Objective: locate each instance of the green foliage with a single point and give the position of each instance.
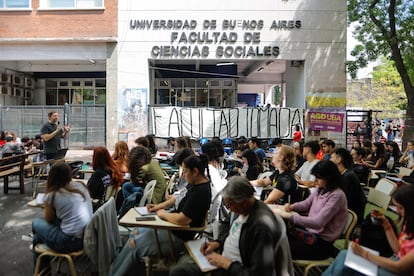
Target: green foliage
(385, 91)
(377, 41)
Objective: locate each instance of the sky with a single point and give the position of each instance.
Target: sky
(351, 42)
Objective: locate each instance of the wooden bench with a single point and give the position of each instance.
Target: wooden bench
(14, 165)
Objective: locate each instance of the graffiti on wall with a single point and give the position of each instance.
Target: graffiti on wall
(263, 122)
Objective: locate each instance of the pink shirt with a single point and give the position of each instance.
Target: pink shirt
(406, 245)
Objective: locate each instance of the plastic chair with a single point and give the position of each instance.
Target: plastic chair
(304, 267)
(405, 171)
(378, 198)
(386, 186)
(148, 191)
(264, 175)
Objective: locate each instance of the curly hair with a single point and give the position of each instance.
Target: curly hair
(288, 154)
(120, 155)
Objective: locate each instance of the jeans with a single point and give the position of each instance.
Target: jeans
(145, 245)
(338, 268)
(129, 188)
(53, 237)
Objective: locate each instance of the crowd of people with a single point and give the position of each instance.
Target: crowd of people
(257, 235)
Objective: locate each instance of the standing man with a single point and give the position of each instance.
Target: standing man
(52, 132)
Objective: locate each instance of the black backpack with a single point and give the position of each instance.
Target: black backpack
(373, 236)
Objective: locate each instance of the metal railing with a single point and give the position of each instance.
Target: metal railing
(88, 127)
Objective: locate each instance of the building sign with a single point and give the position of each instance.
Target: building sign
(231, 38)
(326, 121)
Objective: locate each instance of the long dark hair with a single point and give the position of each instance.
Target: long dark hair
(138, 157)
(59, 176)
(199, 162)
(252, 159)
(151, 143)
(327, 170)
(404, 196)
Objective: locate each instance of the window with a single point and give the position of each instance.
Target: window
(77, 4)
(196, 92)
(14, 4)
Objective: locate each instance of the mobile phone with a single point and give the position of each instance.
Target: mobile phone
(145, 218)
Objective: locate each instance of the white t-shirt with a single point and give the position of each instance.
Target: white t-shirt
(231, 248)
(304, 172)
(72, 209)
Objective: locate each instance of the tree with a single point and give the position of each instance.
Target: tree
(386, 28)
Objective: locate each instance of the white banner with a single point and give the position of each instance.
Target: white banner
(262, 122)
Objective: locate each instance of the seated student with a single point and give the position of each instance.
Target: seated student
(354, 194)
(408, 155)
(298, 150)
(402, 263)
(106, 173)
(377, 160)
(283, 180)
(68, 210)
(254, 144)
(191, 211)
(120, 156)
(328, 147)
(320, 218)
(252, 167)
(256, 243)
(362, 171)
(143, 169)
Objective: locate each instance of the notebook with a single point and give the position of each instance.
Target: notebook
(360, 264)
(143, 211)
(193, 248)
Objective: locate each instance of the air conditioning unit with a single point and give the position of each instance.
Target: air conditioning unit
(28, 94)
(29, 83)
(18, 80)
(5, 78)
(18, 92)
(5, 90)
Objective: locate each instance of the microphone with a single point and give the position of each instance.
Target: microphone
(58, 122)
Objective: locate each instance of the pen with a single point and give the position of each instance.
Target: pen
(356, 241)
(205, 244)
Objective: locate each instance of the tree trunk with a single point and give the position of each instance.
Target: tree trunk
(409, 118)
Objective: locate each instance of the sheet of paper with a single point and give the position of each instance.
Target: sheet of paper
(193, 248)
(361, 264)
(143, 211)
(40, 199)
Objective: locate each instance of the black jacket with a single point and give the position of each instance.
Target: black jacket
(263, 244)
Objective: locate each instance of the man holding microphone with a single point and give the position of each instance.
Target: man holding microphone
(52, 132)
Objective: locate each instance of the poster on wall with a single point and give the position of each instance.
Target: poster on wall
(132, 116)
(326, 121)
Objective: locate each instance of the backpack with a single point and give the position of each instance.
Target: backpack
(373, 236)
